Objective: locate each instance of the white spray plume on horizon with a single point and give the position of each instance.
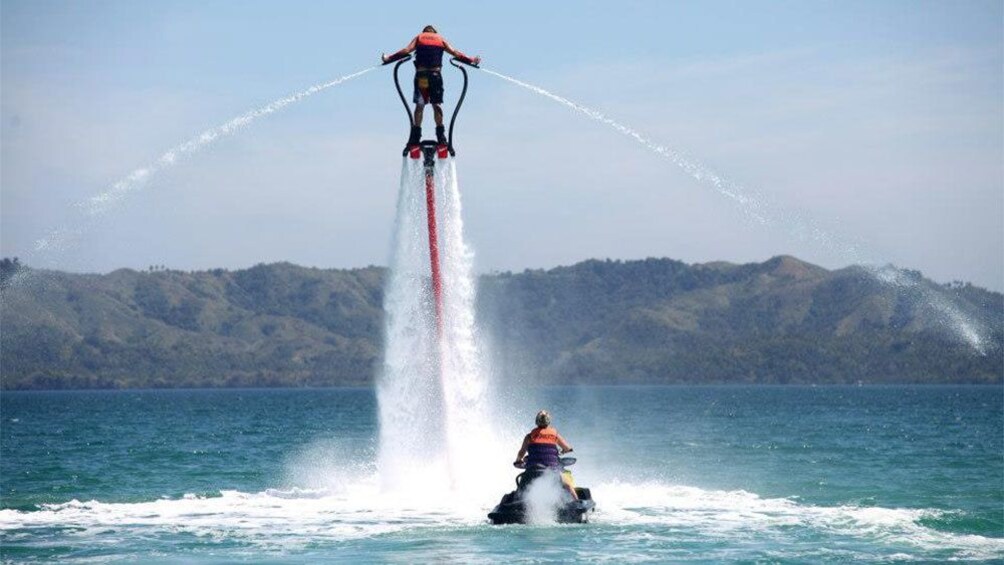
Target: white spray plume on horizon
(757, 208)
(102, 202)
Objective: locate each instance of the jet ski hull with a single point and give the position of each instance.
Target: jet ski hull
(512, 509)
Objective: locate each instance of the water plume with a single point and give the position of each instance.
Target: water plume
(758, 209)
(97, 205)
(542, 497)
(432, 392)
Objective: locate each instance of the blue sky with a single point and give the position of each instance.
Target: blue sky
(881, 122)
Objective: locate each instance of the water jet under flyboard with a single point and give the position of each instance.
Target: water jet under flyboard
(432, 386)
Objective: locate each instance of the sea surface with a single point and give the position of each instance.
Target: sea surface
(679, 474)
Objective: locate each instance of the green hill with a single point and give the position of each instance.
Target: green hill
(650, 321)
(781, 321)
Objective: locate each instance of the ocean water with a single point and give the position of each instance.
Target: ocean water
(703, 474)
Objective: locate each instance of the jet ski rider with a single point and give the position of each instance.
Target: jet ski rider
(428, 47)
(540, 447)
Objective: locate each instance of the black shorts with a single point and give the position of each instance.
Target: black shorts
(428, 87)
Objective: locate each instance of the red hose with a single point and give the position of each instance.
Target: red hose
(437, 282)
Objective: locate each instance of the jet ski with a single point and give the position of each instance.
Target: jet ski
(512, 509)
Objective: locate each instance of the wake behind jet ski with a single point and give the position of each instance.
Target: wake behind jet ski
(517, 508)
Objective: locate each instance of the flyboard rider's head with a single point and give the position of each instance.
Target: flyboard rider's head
(543, 419)
(429, 29)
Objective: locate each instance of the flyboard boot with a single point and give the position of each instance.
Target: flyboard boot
(414, 141)
(443, 147)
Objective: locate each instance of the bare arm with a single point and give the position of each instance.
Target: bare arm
(402, 53)
(456, 53)
(522, 449)
(565, 447)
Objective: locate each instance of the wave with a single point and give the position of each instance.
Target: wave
(740, 514)
(628, 516)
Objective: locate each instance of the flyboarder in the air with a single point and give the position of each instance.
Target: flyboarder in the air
(428, 47)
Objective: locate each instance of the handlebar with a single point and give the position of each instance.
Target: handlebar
(468, 63)
(408, 57)
(393, 60)
(456, 62)
(565, 462)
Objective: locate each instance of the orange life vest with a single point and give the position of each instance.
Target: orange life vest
(543, 448)
(547, 435)
(429, 49)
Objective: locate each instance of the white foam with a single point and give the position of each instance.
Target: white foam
(728, 514)
(273, 517)
(542, 498)
(432, 393)
(292, 517)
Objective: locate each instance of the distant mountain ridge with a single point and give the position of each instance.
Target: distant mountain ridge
(648, 321)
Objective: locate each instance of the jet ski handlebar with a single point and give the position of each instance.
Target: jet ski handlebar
(565, 462)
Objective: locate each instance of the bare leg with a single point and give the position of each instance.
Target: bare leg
(437, 112)
(568, 486)
(572, 492)
(419, 111)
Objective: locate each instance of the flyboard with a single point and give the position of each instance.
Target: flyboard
(430, 150)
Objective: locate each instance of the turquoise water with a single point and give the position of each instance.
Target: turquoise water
(706, 474)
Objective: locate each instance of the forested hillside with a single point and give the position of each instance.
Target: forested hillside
(651, 321)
